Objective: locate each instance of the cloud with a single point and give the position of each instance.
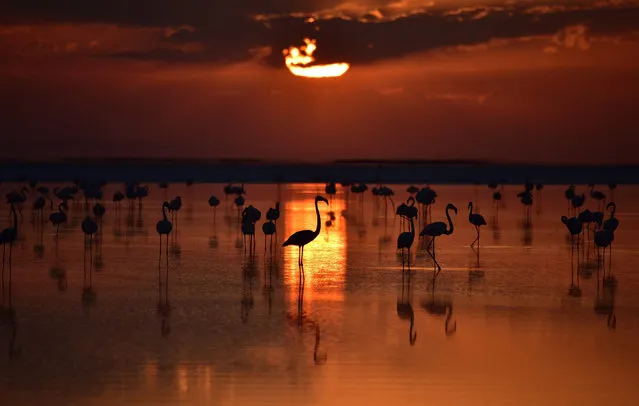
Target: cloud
(357, 31)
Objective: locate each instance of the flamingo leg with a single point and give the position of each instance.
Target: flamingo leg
(476, 238)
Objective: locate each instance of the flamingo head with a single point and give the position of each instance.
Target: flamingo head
(470, 205)
(321, 199)
(452, 207)
(613, 205)
(410, 201)
(564, 219)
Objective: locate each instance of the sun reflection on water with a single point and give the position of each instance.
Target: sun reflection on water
(325, 257)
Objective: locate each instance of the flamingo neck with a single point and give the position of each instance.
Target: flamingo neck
(451, 227)
(470, 207)
(319, 220)
(412, 227)
(164, 212)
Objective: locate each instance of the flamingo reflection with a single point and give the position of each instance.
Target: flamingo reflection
(405, 308)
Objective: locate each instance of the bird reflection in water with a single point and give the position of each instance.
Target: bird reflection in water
(605, 304)
(304, 323)
(270, 268)
(37, 218)
(57, 271)
(438, 306)
(475, 272)
(405, 308)
(249, 271)
(496, 229)
(527, 237)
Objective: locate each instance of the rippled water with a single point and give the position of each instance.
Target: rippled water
(232, 332)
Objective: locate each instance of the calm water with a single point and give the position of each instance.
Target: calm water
(234, 333)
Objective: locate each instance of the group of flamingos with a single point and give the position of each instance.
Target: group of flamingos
(581, 224)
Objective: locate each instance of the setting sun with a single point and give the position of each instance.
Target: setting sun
(298, 60)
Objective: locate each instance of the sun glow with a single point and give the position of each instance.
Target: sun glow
(325, 257)
(298, 61)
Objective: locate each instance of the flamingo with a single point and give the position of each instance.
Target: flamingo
(611, 223)
(248, 229)
(407, 210)
(273, 213)
(405, 241)
(526, 199)
(8, 236)
(597, 195)
(575, 228)
(18, 198)
(164, 227)
(269, 229)
(303, 237)
(603, 239)
(330, 189)
(477, 220)
(239, 203)
(59, 217)
(39, 204)
(214, 202)
(436, 229)
(98, 212)
(117, 199)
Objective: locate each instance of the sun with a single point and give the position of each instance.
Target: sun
(299, 60)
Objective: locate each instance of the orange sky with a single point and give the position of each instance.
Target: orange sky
(533, 81)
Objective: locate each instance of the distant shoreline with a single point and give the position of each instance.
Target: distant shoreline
(258, 171)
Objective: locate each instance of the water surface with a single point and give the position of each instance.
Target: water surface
(234, 333)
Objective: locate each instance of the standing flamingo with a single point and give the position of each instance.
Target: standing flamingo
(597, 195)
(611, 223)
(603, 239)
(303, 237)
(269, 229)
(477, 220)
(273, 213)
(574, 226)
(405, 241)
(214, 202)
(164, 227)
(59, 217)
(436, 229)
(8, 236)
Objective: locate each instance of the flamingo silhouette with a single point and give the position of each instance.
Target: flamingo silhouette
(214, 202)
(575, 228)
(407, 210)
(436, 229)
(59, 217)
(611, 223)
(273, 213)
(405, 241)
(597, 195)
(164, 227)
(603, 239)
(8, 236)
(303, 237)
(477, 220)
(268, 229)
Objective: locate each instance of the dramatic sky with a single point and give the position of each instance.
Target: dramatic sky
(535, 81)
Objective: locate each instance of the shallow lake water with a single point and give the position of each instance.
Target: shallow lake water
(496, 328)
